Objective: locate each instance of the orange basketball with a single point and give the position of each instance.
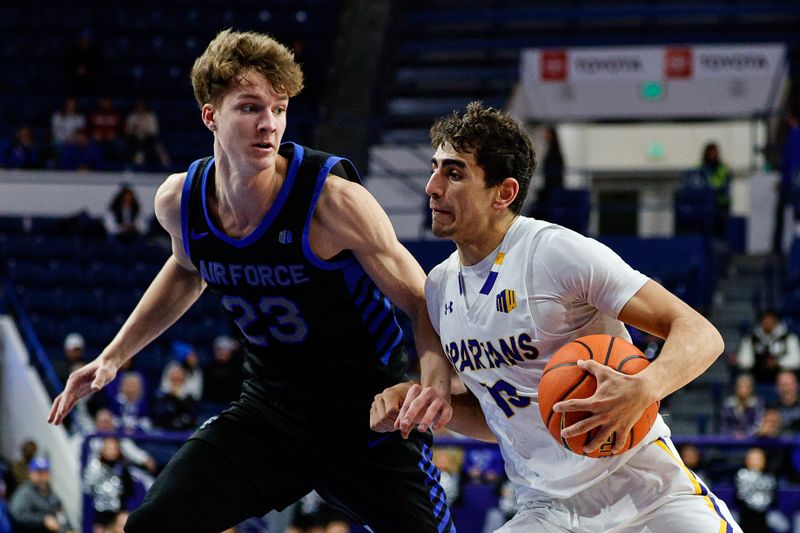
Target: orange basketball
(564, 380)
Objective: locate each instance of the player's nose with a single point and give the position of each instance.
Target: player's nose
(434, 185)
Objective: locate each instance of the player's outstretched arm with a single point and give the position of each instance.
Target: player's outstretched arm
(692, 345)
(176, 287)
(467, 416)
(351, 216)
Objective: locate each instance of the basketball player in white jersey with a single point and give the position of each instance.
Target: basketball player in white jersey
(515, 291)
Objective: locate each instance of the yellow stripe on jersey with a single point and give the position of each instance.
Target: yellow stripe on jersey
(499, 259)
(723, 526)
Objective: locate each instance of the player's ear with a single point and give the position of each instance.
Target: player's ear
(507, 191)
(207, 114)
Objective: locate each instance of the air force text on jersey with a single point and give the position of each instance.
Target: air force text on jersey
(238, 275)
(474, 354)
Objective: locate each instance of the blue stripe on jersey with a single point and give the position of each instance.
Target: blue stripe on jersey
(490, 279)
(386, 334)
(186, 196)
(307, 251)
(441, 512)
(274, 209)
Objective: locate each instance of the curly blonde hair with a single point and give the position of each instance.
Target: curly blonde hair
(232, 55)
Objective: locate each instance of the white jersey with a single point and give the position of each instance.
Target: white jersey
(500, 321)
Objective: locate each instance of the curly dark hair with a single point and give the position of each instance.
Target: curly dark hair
(232, 55)
(501, 146)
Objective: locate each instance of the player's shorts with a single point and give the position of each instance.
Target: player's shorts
(654, 492)
(237, 466)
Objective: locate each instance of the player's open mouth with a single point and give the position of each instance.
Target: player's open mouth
(263, 146)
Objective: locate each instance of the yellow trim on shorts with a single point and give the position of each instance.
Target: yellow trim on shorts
(723, 526)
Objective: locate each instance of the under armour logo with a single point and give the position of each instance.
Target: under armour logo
(448, 307)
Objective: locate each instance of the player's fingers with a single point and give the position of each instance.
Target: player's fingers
(582, 404)
(444, 417)
(431, 415)
(581, 427)
(405, 422)
(600, 437)
(51, 416)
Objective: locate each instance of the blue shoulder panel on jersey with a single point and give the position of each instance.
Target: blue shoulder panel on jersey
(307, 251)
(283, 194)
(186, 194)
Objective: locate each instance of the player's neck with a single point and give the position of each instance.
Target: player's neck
(241, 200)
(476, 247)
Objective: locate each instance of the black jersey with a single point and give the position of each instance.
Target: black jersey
(317, 332)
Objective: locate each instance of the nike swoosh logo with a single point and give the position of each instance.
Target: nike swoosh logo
(198, 235)
(374, 442)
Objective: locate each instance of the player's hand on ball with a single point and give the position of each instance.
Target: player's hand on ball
(424, 408)
(386, 407)
(84, 381)
(616, 405)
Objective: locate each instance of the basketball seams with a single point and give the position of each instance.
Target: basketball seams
(566, 394)
(588, 349)
(629, 358)
(608, 352)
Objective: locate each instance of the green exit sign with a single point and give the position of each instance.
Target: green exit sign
(652, 91)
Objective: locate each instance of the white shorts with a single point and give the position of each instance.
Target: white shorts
(654, 492)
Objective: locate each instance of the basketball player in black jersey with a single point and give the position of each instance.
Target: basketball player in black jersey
(306, 264)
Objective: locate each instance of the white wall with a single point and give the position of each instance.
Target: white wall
(24, 406)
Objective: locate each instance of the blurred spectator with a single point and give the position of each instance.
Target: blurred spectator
(19, 468)
(5, 515)
(779, 461)
(130, 403)
(755, 491)
(175, 408)
(449, 461)
(108, 482)
(82, 153)
(788, 401)
(65, 122)
(742, 412)
(185, 357)
(105, 128)
(506, 506)
(719, 179)
(105, 423)
(312, 514)
(34, 506)
(141, 131)
(123, 219)
(74, 354)
(770, 347)
(692, 458)
(83, 64)
(222, 378)
(20, 151)
(552, 171)
(789, 186)
(118, 526)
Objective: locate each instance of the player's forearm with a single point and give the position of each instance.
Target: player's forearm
(170, 294)
(435, 370)
(693, 344)
(468, 418)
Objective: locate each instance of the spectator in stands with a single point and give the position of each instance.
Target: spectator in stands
(19, 468)
(789, 186)
(787, 402)
(312, 514)
(130, 404)
(142, 134)
(123, 219)
(105, 423)
(34, 506)
(449, 461)
(755, 491)
(693, 459)
(105, 128)
(5, 515)
(742, 412)
(83, 64)
(719, 179)
(770, 347)
(20, 151)
(185, 357)
(552, 171)
(65, 122)
(506, 506)
(175, 408)
(222, 377)
(108, 482)
(74, 354)
(82, 153)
